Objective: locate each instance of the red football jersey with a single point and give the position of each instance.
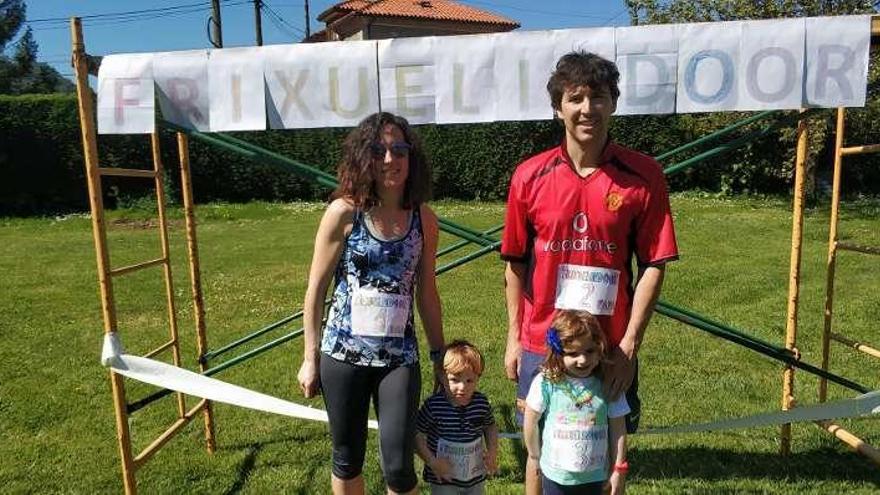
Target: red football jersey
(583, 232)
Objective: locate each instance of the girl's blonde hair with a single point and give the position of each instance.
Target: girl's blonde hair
(461, 355)
(570, 325)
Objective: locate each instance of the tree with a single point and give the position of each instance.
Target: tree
(22, 72)
(12, 16)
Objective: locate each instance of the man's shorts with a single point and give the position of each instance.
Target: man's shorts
(529, 366)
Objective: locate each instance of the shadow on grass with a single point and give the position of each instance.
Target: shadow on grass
(252, 451)
(717, 464)
(245, 468)
(519, 451)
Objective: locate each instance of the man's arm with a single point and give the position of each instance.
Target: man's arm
(621, 369)
(514, 281)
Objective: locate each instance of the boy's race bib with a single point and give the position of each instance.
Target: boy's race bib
(587, 288)
(577, 450)
(378, 314)
(466, 458)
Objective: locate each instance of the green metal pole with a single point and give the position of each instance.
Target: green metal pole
(461, 244)
(715, 135)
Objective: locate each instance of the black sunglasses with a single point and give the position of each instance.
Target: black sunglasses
(398, 149)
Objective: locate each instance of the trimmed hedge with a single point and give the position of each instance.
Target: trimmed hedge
(42, 163)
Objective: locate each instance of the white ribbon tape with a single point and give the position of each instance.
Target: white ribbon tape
(862, 405)
(181, 380)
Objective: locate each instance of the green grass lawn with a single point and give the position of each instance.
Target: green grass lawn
(56, 417)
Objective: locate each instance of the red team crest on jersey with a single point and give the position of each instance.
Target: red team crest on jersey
(613, 201)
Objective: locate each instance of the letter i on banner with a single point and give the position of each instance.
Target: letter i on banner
(237, 92)
(406, 78)
(126, 97)
(523, 62)
(708, 62)
(465, 81)
(182, 81)
(837, 68)
(647, 58)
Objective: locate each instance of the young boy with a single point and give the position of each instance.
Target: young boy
(456, 433)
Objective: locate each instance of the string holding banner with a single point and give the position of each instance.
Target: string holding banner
(705, 67)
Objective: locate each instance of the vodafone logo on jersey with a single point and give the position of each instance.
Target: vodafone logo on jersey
(580, 224)
(581, 241)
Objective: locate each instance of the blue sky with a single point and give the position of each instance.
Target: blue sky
(186, 27)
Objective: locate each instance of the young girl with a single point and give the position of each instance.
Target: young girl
(378, 239)
(584, 436)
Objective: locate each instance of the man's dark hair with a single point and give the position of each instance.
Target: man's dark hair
(580, 68)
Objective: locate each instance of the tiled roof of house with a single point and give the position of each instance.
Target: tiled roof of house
(441, 10)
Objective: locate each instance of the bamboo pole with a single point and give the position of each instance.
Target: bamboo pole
(791, 323)
(831, 264)
(192, 247)
(158, 168)
(168, 434)
(108, 308)
(853, 441)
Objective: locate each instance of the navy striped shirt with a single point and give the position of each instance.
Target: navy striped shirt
(438, 418)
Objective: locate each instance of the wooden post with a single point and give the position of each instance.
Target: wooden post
(195, 276)
(96, 202)
(791, 323)
(831, 265)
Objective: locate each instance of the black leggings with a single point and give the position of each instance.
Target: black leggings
(347, 390)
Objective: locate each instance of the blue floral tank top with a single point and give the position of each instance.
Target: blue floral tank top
(370, 322)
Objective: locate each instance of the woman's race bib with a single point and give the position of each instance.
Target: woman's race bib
(466, 458)
(578, 449)
(378, 314)
(587, 288)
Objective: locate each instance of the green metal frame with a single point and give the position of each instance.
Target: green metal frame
(488, 243)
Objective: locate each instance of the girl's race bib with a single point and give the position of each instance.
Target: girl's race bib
(578, 449)
(466, 458)
(587, 288)
(378, 314)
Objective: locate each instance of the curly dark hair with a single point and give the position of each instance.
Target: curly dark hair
(358, 170)
(580, 68)
(572, 325)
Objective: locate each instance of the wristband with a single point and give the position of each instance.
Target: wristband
(621, 467)
(436, 356)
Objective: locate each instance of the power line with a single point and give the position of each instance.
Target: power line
(280, 22)
(112, 15)
(112, 21)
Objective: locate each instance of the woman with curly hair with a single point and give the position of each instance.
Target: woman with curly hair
(378, 239)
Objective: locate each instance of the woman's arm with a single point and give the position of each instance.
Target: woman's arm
(329, 241)
(427, 298)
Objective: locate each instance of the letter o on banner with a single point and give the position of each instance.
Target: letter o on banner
(752, 74)
(690, 76)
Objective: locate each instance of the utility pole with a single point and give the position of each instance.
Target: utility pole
(308, 26)
(216, 30)
(258, 20)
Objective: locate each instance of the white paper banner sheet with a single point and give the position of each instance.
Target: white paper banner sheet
(706, 67)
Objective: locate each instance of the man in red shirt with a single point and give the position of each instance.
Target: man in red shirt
(576, 216)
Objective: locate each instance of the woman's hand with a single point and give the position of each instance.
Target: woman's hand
(309, 378)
